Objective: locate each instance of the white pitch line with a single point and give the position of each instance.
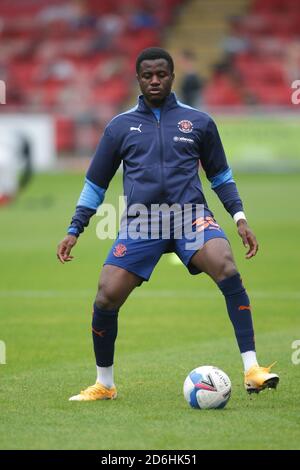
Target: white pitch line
(157, 293)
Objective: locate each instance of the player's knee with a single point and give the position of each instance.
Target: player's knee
(107, 299)
(227, 268)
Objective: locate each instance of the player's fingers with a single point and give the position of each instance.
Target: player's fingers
(60, 252)
(253, 247)
(60, 258)
(67, 250)
(249, 245)
(69, 258)
(245, 239)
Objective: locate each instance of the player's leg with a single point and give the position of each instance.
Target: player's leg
(115, 285)
(128, 264)
(216, 259)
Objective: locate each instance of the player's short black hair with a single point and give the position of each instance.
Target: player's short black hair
(153, 53)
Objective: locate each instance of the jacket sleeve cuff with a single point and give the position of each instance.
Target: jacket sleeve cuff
(73, 231)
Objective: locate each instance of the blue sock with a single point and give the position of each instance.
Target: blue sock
(239, 311)
(105, 330)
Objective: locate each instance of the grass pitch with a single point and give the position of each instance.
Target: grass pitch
(167, 327)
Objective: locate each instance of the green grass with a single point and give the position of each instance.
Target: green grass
(167, 327)
(264, 141)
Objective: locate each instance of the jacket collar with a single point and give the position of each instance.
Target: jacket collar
(170, 102)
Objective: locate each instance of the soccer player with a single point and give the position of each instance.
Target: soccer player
(160, 142)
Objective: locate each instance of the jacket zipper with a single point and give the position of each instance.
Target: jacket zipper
(161, 155)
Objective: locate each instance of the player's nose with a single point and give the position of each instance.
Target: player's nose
(155, 80)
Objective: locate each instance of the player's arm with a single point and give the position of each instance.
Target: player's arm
(102, 168)
(214, 162)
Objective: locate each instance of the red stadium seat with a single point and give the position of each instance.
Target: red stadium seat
(222, 92)
(112, 92)
(271, 30)
(65, 141)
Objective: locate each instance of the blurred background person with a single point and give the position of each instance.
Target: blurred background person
(191, 84)
(15, 165)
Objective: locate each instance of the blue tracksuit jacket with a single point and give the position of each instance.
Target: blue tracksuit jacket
(160, 160)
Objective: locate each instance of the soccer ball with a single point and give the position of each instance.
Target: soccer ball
(207, 387)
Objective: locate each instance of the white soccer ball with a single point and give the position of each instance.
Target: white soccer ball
(207, 387)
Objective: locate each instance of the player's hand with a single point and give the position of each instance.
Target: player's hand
(248, 238)
(64, 248)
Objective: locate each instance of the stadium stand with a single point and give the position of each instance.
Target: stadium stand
(75, 59)
(261, 56)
